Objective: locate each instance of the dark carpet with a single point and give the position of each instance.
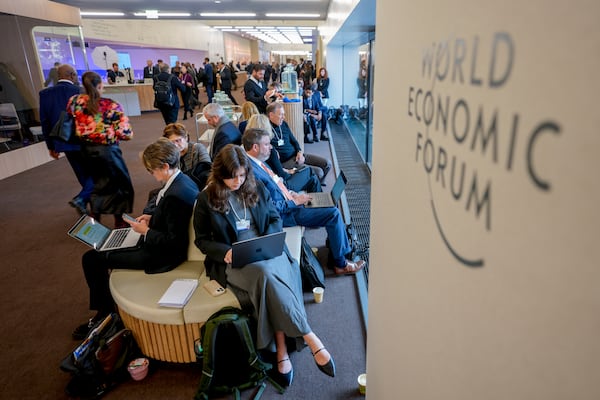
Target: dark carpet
(43, 293)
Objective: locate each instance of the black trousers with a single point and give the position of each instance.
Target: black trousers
(169, 113)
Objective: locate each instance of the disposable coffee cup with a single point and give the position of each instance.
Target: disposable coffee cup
(362, 383)
(318, 293)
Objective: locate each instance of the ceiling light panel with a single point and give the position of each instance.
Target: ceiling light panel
(291, 15)
(101, 14)
(229, 14)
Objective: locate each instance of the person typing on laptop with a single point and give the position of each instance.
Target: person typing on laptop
(290, 205)
(235, 207)
(164, 242)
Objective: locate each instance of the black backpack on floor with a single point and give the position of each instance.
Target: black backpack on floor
(100, 362)
(229, 359)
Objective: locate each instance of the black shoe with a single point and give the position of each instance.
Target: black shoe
(307, 140)
(327, 369)
(79, 205)
(83, 330)
(325, 137)
(184, 116)
(286, 379)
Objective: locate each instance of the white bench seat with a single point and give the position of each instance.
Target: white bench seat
(168, 334)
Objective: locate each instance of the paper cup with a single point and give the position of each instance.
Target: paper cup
(138, 368)
(362, 383)
(318, 293)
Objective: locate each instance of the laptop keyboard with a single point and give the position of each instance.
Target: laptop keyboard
(320, 199)
(117, 238)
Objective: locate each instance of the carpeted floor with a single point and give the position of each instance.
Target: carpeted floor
(43, 294)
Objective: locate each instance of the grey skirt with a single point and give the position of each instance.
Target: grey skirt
(274, 288)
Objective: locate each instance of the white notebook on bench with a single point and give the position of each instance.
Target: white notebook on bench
(178, 294)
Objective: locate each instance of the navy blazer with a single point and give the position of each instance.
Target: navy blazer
(316, 105)
(208, 70)
(167, 240)
(256, 94)
(216, 232)
(53, 100)
(224, 134)
(282, 205)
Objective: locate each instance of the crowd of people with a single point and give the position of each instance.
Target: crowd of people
(256, 170)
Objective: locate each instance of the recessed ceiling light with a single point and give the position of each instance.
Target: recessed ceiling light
(101, 14)
(228, 14)
(154, 14)
(290, 15)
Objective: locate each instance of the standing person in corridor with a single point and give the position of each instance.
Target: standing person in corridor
(100, 124)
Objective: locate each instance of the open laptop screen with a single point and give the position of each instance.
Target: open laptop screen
(89, 231)
(338, 188)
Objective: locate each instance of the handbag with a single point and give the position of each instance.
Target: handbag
(311, 270)
(64, 127)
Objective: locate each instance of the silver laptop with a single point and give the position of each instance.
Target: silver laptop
(329, 199)
(101, 238)
(257, 249)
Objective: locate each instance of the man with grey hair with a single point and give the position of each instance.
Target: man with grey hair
(225, 131)
(168, 111)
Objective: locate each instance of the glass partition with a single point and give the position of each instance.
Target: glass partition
(30, 49)
(59, 45)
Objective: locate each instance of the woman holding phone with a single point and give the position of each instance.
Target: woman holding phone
(165, 233)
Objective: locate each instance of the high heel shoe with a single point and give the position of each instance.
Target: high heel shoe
(286, 379)
(327, 369)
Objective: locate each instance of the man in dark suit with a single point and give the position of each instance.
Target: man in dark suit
(256, 91)
(290, 205)
(150, 71)
(208, 83)
(53, 101)
(169, 112)
(313, 114)
(224, 76)
(114, 74)
(225, 131)
(288, 147)
(164, 237)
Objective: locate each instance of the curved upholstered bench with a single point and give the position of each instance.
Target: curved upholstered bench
(168, 334)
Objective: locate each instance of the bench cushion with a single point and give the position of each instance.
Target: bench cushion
(138, 293)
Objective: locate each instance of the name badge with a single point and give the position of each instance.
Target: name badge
(242, 225)
(280, 142)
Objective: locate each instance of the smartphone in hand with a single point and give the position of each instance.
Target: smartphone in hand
(129, 218)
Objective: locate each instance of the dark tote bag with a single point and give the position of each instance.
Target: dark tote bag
(311, 270)
(64, 127)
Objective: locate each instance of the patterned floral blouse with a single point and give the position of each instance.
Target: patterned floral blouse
(109, 126)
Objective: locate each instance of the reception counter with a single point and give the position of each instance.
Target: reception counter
(134, 98)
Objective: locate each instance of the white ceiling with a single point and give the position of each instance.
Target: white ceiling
(260, 22)
(195, 7)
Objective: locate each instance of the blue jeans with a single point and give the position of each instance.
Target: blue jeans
(331, 219)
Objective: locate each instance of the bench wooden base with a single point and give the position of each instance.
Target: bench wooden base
(172, 343)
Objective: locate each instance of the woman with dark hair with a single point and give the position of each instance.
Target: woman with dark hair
(186, 79)
(194, 161)
(323, 84)
(234, 207)
(101, 124)
(164, 235)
